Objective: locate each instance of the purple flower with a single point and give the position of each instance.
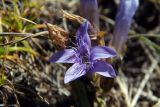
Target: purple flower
(86, 59)
(126, 10)
(89, 10)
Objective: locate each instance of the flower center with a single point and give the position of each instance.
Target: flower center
(84, 59)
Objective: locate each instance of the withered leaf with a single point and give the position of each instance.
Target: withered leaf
(73, 17)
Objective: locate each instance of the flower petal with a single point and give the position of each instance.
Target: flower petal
(83, 50)
(75, 71)
(65, 56)
(98, 52)
(82, 35)
(126, 10)
(103, 68)
(89, 10)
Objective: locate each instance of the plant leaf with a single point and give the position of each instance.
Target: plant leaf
(150, 43)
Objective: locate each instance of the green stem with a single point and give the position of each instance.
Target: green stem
(80, 94)
(132, 36)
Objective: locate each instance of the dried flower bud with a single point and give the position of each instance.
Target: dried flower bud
(57, 35)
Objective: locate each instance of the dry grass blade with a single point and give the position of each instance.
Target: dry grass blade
(147, 95)
(153, 66)
(26, 20)
(14, 34)
(24, 38)
(9, 89)
(124, 89)
(143, 83)
(73, 17)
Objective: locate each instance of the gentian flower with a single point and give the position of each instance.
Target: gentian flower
(86, 59)
(126, 10)
(89, 10)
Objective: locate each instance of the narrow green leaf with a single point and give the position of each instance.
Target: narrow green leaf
(150, 43)
(21, 49)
